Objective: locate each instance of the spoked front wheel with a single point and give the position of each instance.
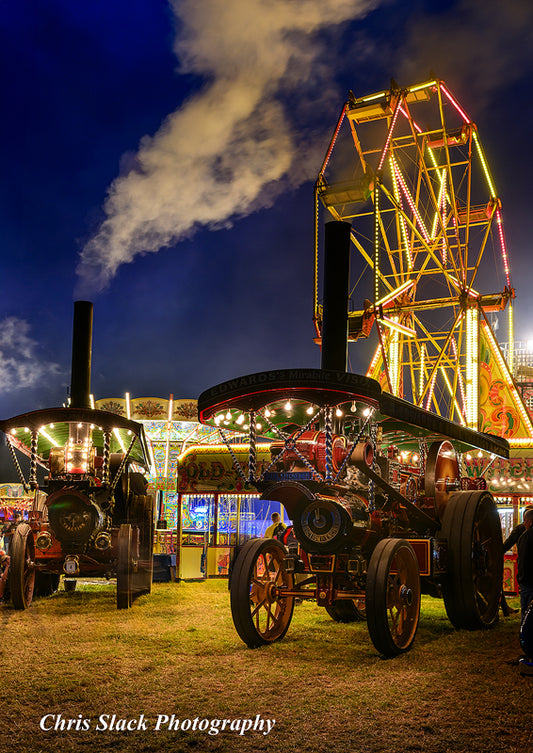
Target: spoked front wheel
(260, 613)
(393, 596)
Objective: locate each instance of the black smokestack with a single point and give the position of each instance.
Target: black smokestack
(82, 336)
(336, 295)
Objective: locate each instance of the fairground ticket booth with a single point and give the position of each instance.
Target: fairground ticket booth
(511, 483)
(216, 510)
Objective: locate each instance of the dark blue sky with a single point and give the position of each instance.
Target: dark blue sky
(248, 92)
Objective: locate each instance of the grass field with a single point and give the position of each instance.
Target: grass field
(176, 652)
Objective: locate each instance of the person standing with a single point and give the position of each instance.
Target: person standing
(276, 528)
(525, 563)
(515, 534)
(5, 561)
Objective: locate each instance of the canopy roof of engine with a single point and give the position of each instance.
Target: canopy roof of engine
(284, 397)
(52, 427)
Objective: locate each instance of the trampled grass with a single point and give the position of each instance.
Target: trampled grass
(176, 653)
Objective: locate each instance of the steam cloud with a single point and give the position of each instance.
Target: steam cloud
(20, 366)
(230, 148)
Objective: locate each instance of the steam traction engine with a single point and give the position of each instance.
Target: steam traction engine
(91, 516)
(373, 486)
(380, 511)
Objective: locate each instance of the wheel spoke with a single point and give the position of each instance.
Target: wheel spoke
(393, 583)
(264, 617)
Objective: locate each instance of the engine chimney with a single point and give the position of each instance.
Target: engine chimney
(336, 295)
(80, 374)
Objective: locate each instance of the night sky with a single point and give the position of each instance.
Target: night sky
(158, 159)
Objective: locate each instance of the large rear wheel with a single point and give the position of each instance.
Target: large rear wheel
(393, 596)
(260, 614)
(22, 568)
(473, 584)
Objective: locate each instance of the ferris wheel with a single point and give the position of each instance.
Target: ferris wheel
(430, 269)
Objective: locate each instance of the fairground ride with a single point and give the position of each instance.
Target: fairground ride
(430, 267)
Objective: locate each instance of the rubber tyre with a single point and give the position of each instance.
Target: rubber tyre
(473, 584)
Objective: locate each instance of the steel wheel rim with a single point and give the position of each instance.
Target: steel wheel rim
(269, 612)
(403, 598)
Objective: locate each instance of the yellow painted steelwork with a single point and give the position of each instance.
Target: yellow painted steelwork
(429, 252)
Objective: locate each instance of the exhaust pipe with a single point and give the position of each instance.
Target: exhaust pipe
(336, 295)
(80, 374)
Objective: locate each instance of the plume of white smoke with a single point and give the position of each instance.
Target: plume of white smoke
(229, 149)
(20, 364)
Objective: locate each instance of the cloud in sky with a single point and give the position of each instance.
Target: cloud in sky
(21, 364)
(229, 149)
(477, 44)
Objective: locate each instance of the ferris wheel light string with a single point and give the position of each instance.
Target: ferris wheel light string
(402, 221)
(472, 358)
(333, 140)
(394, 357)
(505, 257)
(422, 374)
(419, 87)
(396, 292)
(376, 242)
(483, 161)
(406, 115)
(411, 203)
(395, 325)
(374, 361)
(455, 403)
(389, 135)
(511, 338)
(461, 382)
(431, 389)
(372, 97)
(455, 103)
(443, 219)
(440, 216)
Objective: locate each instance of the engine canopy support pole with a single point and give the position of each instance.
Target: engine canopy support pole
(336, 295)
(80, 374)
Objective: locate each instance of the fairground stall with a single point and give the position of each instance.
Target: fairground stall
(205, 507)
